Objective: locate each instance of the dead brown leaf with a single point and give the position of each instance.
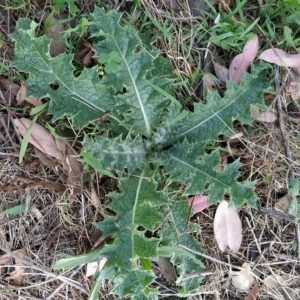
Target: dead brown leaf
(45, 160)
(40, 138)
(5, 259)
(253, 292)
(167, 269)
(209, 82)
(221, 72)
(283, 203)
(17, 276)
(54, 32)
(87, 60)
(21, 96)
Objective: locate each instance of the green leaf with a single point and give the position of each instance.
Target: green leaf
(16, 210)
(74, 261)
(117, 153)
(294, 188)
(141, 105)
(136, 208)
(177, 231)
(216, 116)
(188, 163)
(81, 98)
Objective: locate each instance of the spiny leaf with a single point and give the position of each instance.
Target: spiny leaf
(187, 164)
(117, 153)
(177, 231)
(82, 98)
(217, 115)
(141, 105)
(136, 209)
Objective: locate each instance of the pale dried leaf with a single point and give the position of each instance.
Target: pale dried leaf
(294, 89)
(265, 117)
(221, 72)
(198, 202)
(273, 281)
(93, 267)
(5, 259)
(167, 269)
(283, 203)
(227, 227)
(242, 61)
(253, 292)
(210, 84)
(40, 138)
(243, 279)
(21, 96)
(281, 58)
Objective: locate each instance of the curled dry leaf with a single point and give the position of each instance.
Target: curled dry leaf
(227, 227)
(265, 117)
(294, 90)
(198, 202)
(280, 58)
(21, 96)
(243, 61)
(243, 279)
(221, 72)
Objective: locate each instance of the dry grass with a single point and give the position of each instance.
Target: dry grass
(57, 222)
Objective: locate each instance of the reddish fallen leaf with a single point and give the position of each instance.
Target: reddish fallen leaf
(221, 72)
(294, 90)
(280, 58)
(227, 227)
(265, 117)
(243, 61)
(21, 96)
(198, 202)
(253, 292)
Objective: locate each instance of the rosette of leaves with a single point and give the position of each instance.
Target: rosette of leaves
(152, 145)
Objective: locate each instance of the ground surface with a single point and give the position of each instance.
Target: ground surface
(58, 221)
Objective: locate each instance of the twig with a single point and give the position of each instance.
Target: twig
(59, 287)
(285, 141)
(29, 263)
(277, 214)
(281, 121)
